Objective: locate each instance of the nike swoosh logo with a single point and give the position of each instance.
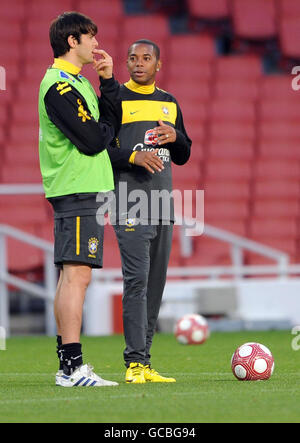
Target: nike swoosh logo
(134, 112)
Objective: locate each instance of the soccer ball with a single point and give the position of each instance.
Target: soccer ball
(191, 329)
(252, 361)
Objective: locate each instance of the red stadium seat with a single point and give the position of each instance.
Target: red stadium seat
(276, 208)
(29, 93)
(48, 10)
(3, 113)
(230, 148)
(178, 69)
(226, 191)
(6, 97)
(277, 87)
(153, 27)
(103, 11)
(195, 90)
(21, 153)
(13, 11)
(29, 132)
(241, 130)
(236, 226)
(228, 170)
(209, 257)
(209, 252)
(108, 32)
(289, 35)
(2, 134)
(11, 32)
(38, 50)
(193, 111)
(111, 253)
(238, 67)
(25, 112)
(191, 47)
(279, 232)
(285, 245)
(289, 7)
(6, 50)
(273, 227)
(186, 173)
(279, 129)
(277, 169)
(22, 256)
(21, 174)
(23, 209)
(234, 209)
(33, 74)
(197, 153)
(196, 130)
(206, 9)
(276, 149)
(254, 20)
(276, 188)
(39, 26)
(237, 89)
(46, 230)
(175, 256)
(279, 110)
(234, 110)
(12, 71)
(121, 71)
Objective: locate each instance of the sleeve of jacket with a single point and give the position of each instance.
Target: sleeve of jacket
(70, 114)
(180, 150)
(110, 106)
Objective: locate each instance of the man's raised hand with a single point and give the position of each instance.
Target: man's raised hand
(104, 64)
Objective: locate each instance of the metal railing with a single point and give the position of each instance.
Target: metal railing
(238, 245)
(46, 292)
(281, 269)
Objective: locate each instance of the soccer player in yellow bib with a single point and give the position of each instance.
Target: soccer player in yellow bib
(75, 167)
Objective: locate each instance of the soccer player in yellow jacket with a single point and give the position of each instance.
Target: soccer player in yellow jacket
(150, 121)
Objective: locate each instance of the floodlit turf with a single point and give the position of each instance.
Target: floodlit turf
(206, 390)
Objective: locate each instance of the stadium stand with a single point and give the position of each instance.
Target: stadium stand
(243, 122)
(206, 9)
(289, 33)
(254, 20)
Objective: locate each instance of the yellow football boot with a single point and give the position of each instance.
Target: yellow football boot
(135, 373)
(153, 376)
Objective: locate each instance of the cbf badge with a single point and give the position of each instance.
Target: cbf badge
(130, 222)
(93, 247)
(165, 110)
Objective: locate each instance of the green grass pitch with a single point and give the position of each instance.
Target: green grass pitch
(206, 390)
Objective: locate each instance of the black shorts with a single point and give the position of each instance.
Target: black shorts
(78, 240)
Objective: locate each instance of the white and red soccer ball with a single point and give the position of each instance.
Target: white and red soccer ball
(252, 361)
(191, 329)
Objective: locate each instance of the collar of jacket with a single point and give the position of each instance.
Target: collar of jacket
(66, 66)
(140, 89)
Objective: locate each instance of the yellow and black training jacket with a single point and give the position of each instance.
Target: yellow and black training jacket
(138, 110)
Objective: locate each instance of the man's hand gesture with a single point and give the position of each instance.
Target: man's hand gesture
(104, 64)
(149, 160)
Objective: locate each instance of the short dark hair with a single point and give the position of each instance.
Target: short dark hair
(69, 23)
(147, 42)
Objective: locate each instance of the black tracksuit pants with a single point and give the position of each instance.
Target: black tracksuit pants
(145, 252)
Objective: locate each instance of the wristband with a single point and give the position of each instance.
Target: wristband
(132, 157)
